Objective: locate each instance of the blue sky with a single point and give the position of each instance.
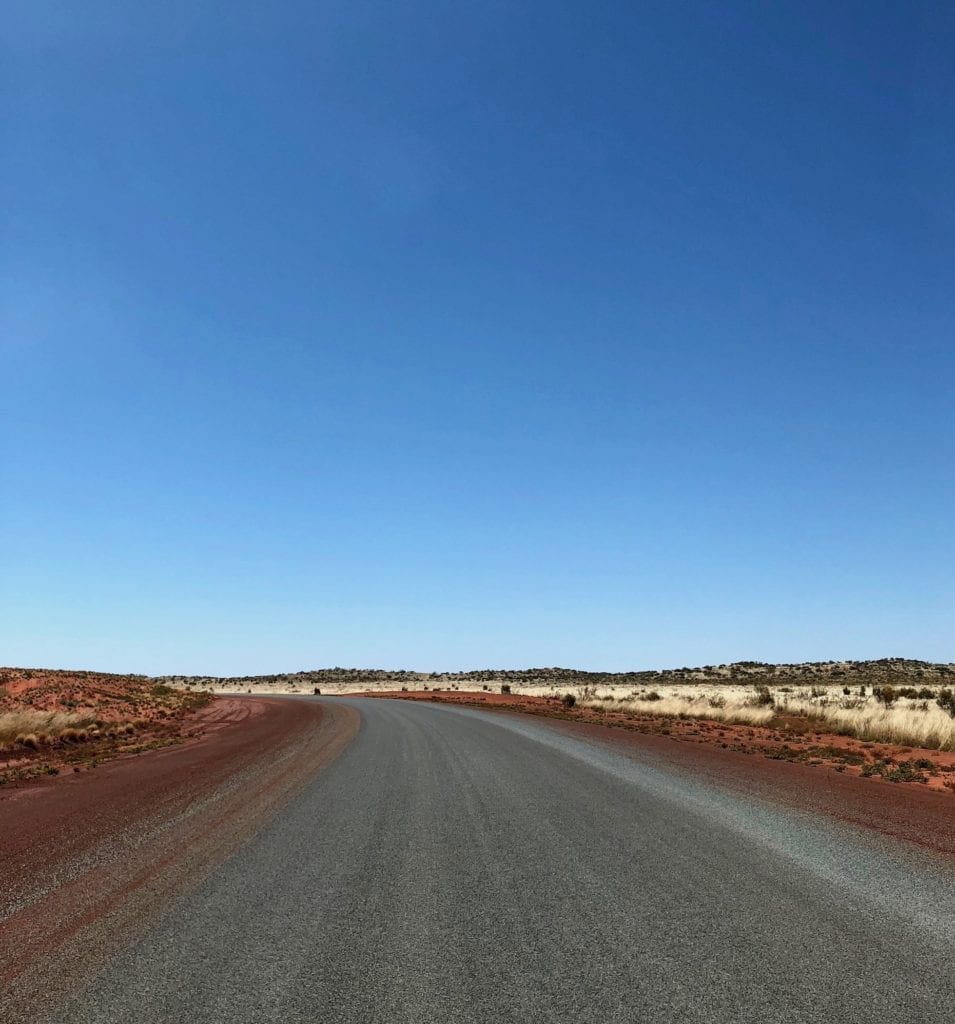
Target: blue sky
(457, 335)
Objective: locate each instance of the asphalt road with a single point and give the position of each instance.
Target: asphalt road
(456, 865)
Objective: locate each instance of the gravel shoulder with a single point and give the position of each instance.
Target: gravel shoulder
(915, 814)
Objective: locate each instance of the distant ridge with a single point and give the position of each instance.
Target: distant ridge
(885, 670)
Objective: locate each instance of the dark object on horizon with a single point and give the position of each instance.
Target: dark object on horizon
(317, 691)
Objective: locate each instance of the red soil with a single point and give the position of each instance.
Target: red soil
(88, 858)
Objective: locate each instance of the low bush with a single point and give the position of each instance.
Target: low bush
(946, 701)
(905, 771)
(762, 698)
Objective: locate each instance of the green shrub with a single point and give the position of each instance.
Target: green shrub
(875, 768)
(905, 771)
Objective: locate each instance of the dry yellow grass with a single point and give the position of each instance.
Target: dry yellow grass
(908, 722)
(735, 711)
(32, 728)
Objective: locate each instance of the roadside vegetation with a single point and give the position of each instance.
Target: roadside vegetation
(31, 728)
(908, 716)
(55, 719)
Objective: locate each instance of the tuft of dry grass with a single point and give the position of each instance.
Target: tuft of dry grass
(71, 735)
(31, 728)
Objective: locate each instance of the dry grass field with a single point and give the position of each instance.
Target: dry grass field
(925, 719)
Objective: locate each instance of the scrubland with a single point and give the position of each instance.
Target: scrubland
(50, 719)
(884, 715)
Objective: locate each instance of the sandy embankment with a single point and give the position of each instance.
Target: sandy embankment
(87, 859)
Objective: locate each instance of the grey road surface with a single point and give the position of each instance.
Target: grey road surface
(459, 866)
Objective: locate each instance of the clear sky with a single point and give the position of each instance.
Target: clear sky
(447, 335)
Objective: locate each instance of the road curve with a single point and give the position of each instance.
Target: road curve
(454, 865)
